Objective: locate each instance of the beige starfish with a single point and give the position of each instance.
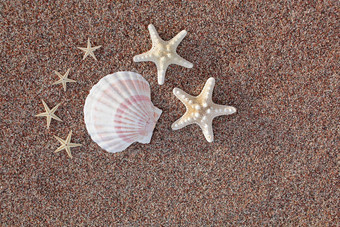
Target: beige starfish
(163, 53)
(66, 144)
(63, 79)
(49, 113)
(89, 50)
(201, 109)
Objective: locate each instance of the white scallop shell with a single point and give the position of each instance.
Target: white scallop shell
(118, 111)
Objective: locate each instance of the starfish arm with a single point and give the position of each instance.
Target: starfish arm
(82, 48)
(58, 82)
(55, 117)
(85, 55)
(64, 85)
(147, 56)
(178, 60)
(207, 130)
(68, 139)
(68, 150)
(206, 93)
(162, 66)
(48, 121)
(62, 147)
(182, 122)
(69, 80)
(55, 108)
(183, 96)
(60, 140)
(154, 34)
(95, 48)
(58, 74)
(175, 41)
(219, 110)
(42, 115)
(75, 145)
(66, 74)
(161, 76)
(92, 55)
(45, 106)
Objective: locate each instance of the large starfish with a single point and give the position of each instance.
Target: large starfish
(63, 79)
(163, 53)
(89, 50)
(201, 109)
(66, 144)
(49, 113)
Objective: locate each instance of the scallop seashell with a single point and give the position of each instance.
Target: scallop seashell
(118, 111)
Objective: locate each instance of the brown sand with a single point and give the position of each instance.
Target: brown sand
(272, 163)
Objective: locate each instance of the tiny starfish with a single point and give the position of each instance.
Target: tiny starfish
(201, 109)
(49, 113)
(89, 50)
(66, 144)
(63, 79)
(163, 53)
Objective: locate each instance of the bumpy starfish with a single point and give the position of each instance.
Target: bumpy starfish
(201, 109)
(63, 79)
(66, 144)
(49, 113)
(89, 50)
(163, 53)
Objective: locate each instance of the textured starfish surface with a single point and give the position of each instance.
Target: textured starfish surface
(89, 50)
(63, 79)
(201, 109)
(163, 53)
(66, 144)
(49, 113)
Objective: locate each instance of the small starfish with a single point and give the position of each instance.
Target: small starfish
(63, 79)
(89, 50)
(66, 144)
(163, 53)
(49, 113)
(201, 109)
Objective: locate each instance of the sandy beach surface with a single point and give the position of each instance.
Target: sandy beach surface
(273, 163)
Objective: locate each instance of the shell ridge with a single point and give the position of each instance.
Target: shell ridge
(124, 98)
(135, 111)
(140, 86)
